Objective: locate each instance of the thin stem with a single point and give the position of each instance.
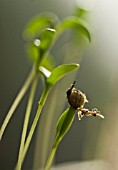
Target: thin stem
(51, 157)
(27, 115)
(34, 124)
(17, 101)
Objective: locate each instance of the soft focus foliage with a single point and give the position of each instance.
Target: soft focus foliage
(41, 34)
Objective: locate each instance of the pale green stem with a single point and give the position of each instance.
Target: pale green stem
(27, 115)
(34, 124)
(51, 157)
(17, 101)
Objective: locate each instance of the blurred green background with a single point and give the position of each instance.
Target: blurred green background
(90, 139)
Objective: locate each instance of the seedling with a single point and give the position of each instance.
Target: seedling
(40, 34)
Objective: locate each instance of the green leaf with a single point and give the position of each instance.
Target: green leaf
(76, 23)
(46, 38)
(61, 71)
(39, 46)
(33, 51)
(38, 23)
(64, 123)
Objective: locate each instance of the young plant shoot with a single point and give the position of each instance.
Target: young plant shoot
(40, 34)
(76, 100)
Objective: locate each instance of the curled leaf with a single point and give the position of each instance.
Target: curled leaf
(76, 23)
(46, 38)
(64, 123)
(38, 23)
